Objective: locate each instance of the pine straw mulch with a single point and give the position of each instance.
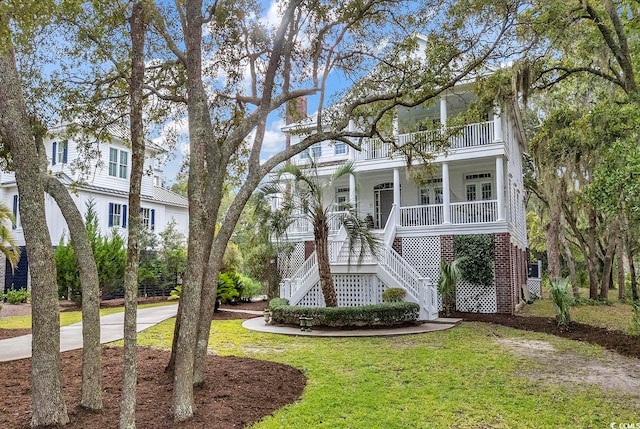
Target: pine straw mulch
(237, 391)
(616, 341)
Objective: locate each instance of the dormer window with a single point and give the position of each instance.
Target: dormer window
(118, 165)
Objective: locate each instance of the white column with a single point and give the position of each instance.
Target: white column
(396, 188)
(352, 190)
(443, 111)
(500, 186)
(497, 124)
(446, 194)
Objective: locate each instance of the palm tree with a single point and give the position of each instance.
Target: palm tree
(449, 276)
(8, 245)
(305, 196)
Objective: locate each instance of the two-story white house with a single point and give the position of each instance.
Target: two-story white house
(105, 182)
(476, 187)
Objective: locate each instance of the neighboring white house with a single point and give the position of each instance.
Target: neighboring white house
(107, 184)
(476, 188)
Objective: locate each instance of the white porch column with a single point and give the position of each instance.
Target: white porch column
(500, 186)
(396, 188)
(497, 124)
(446, 194)
(352, 190)
(443, 111)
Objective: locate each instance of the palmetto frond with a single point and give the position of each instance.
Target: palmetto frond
(8, 244)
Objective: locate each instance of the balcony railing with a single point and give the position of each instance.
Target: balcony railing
(474, 212)
(425, 215)
(466, 136)
(421, 215)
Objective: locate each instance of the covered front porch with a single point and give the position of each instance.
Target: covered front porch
(458, 193)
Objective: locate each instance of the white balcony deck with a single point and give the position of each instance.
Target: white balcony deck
(464, 213)
(467, 136)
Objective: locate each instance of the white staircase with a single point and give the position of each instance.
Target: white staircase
(390, 268)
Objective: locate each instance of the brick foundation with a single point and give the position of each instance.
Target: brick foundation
(397, 245)
(504, 263)
(446, 248)
(309, 248)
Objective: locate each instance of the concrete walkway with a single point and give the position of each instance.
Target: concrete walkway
(257, 324)
(112, 329)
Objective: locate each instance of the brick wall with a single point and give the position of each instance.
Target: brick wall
(397, 245)
(505, 284)
(446, 248)
(309, 248)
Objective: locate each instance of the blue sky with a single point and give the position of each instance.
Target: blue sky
(274, 140)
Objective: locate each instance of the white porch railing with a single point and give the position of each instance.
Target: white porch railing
(372, 148)
(474, 212)
(473, 135)
(421, 215)
(299, 225)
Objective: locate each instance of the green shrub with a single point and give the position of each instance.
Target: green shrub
(250, 288)
(387, 314)
(562, 299)
(17, 296)
(476, 254)
(278, 302)
(394, 294)
(229, 286)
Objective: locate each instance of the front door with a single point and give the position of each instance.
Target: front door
(383, 203)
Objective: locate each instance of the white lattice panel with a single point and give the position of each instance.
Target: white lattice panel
(313, 298)
(475, 299)
(351, 290)
(424, 254)
(290, 261)
(534, 287)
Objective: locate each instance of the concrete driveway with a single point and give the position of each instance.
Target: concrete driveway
(111, 329)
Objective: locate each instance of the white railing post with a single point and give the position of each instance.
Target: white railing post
(422, 288)
(285, 289)
(446, 194)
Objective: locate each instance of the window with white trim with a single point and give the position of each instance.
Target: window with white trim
(479, 186)
(431, 193)
(147, 217)
(113, 162)
(59, 152)
(118, 163)
(340, 148)
(16, 212)
(117, 215)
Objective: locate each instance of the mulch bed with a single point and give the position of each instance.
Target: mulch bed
(237, 391)
(613, 340)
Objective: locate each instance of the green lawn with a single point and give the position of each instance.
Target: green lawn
(458, 378)
(616, 316)
(67, 317)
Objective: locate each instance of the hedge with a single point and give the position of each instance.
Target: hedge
(387, 314)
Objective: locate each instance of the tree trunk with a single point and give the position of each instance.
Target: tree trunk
(553, 239)
(321, 235)
(130, 361)
(632, 273)
(48, 402)
(620, 262)
(572, 266)
(608, 262)
(91, 396)
(592, 257)
(171, 366)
